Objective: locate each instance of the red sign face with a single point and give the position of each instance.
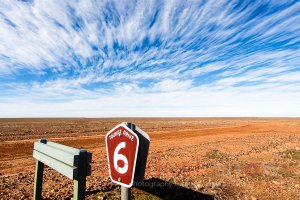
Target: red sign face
(121, 148)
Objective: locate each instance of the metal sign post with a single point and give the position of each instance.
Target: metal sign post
(125, 193)
(127, 149)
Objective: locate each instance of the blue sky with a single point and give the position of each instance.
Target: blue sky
(149, 58)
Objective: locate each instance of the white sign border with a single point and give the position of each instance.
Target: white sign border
(136, 152)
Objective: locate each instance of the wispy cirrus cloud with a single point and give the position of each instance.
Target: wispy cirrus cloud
(64, 53)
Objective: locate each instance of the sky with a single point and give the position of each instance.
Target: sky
(149, 58)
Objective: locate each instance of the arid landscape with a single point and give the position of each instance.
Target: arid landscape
(208, 158)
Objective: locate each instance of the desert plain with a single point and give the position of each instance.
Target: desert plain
(189, 158)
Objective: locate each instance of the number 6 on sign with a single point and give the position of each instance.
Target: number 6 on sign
(117, 157)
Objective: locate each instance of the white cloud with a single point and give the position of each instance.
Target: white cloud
(171, 104)
(168, 85)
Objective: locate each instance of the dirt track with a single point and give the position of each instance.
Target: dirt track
(222, 158)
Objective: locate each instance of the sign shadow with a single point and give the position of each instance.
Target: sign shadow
(167, 190)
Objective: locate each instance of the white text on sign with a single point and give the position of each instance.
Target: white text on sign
(119, 133)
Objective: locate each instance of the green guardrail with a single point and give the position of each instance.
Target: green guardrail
(71, 162)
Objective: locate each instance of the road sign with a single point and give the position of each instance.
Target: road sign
(122, 146)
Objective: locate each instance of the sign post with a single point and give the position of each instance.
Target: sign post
(127, 149)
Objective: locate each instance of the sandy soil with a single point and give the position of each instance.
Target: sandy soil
(208, 158)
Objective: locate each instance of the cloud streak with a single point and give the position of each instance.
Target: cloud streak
(58, 53)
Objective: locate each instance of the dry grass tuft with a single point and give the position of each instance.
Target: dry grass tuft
(216, 154)
(291, 153)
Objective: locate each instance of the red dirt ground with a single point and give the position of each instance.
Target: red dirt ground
(218, 158)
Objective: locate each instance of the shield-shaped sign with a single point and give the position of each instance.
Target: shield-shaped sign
(122, 146)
